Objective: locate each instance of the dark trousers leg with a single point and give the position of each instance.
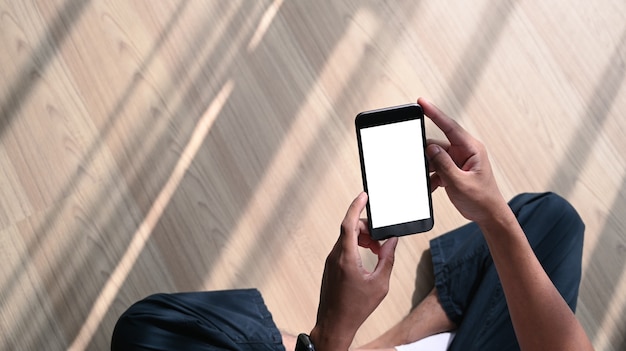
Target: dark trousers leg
(234, 320)
(468, 284)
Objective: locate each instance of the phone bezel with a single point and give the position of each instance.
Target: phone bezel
(390, 115)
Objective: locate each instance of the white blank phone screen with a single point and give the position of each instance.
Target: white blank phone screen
(393, 156)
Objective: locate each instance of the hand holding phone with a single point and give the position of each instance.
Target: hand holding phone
(394, 167)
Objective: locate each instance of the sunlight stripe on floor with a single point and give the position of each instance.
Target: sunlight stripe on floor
(116, 280)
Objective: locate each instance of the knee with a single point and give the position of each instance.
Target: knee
(564, 216)
(548, 215)
(560, 252)
(555, 232)
(137, 321)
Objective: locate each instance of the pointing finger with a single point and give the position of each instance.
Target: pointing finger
(453, 131)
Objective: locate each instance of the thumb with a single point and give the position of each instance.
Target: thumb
(442, 163)
(386, 257)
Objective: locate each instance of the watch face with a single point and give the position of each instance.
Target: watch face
(304, 343)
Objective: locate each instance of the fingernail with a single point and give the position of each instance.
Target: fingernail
(434, 150)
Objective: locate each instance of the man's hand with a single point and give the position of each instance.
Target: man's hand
(460, 165)
(349, 292)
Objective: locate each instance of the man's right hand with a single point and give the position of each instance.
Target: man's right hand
(461, 166)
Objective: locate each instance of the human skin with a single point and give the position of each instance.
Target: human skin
(349, 292)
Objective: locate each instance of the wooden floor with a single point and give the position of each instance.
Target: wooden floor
(162, 146)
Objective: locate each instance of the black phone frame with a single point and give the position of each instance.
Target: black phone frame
(384, 116)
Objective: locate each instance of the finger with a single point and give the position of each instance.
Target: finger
(443, 143)
(364, 225)
(366, 241)
(453, 131)
(445, 168)
(364, 234)
(351, 224)
(435, 182)
(386, 258)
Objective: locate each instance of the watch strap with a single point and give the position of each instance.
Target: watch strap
(304, 343)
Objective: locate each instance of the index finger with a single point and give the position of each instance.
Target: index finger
(453, 131)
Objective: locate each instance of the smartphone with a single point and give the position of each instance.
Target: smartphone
(392, 149)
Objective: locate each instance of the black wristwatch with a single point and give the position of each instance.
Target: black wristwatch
(304, 343)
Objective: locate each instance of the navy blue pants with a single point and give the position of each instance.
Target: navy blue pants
(467, 282)
(214, 320)
(465, 277)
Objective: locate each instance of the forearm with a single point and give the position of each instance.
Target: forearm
(541, 317)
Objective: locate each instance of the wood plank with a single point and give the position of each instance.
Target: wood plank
(101, 102)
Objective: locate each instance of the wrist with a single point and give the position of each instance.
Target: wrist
(325, 340)
(501, 225)
(497, 212)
